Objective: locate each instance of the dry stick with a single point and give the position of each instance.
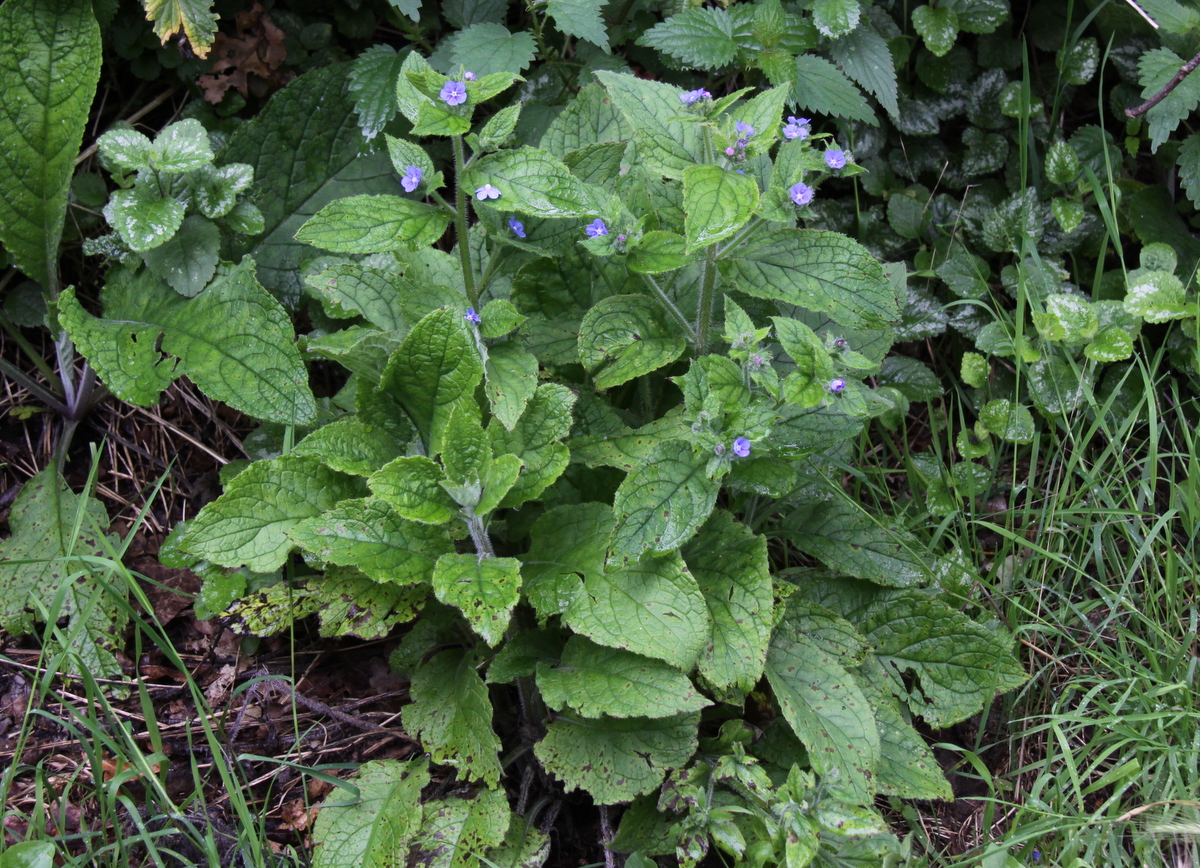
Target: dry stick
(133, 119)
(1176, 79)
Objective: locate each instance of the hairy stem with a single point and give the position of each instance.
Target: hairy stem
(479, 535)
(669, 306)
(460, 223)
(704, 307)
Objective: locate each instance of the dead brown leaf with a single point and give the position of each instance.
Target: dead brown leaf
(249, 62)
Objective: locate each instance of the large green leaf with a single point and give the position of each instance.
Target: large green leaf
(488, 48)
(534, 182)
(233, 340)
(535, 439)
(865, 57)
(374, 224)
(306, 150)
(616, 759)
(823, 88)
(350, 445)
(662, 502)
(729, 562)
(595, 680)
(819, 270)
(357, 290)
(717, 202)
(511, 380)
(653, 608)
(367, 832)
(452, 715)
(49, 66)
(368, 534)
(484, 589)
(700, 38)
(580, 18)
(626, 336)
(458, 829)
(567, 543)
(437, 363)
(411, 485)
(667, 144)
(248, 524)
(589, 119)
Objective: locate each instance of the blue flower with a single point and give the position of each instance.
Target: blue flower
(719, 449)
(837, 385)
(596, 228)
(796, 128)
(693, 95)
(801, 193)
(470, 316)
(517, 227)
(741, 447)
(487, 191)
(835, 159)
(469, 76)
(411, 179)
(454, 93)
(744, 129)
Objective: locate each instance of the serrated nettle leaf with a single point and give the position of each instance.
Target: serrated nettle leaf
(1155, 68)
(1156, 296)
(484, 589)
(567, 542)
(350, 445)
(1008, 421)
(233, 340)
(626, 336)
(452, 716)
(823, 88)
(248, 524)
(717, 203)
(1189, 166)
(142, 217)
(1111, 344)
(616, 759)
(700, 38)
(510, 381)
(189, 260)
(489, 48)
(865, 57)
(372, 85)
(667, 142)
(374, 224)
(379, 823)
(534, 182)
(938, 26)
(835, 18)
(818, 270)
(594, 680)
(580, 18)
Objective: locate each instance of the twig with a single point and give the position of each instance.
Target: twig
(1176, 79)
(269, 685)
(132, 119)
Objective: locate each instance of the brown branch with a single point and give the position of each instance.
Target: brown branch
(1176, 79)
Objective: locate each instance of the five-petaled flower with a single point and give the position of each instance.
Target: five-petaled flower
(796, 128)
(693, 95)
(471, 316)
(596, 228)
(741, 447)
(411, 179)
(487, 191)
(454, 93)
(469, 76)
(517, 227)
(801, 193)
(835, 159)
(744, 130)
(837, 385)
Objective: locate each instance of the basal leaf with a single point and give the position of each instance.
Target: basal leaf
(350, 445)
(411, 485)
(484, 589)
(653, 608)
(248, 524)
(350, 604)
(374, 224)
(372, 84)
(567, 544)
(626, 336)
(666, 144)
(194, 18)
(452, 715)
(458, 829)
(534, 182)
(701, 38)
(368, 831)
(616, 759)
(580, 18)
(823, 88)
(907, 767)
(717, 203)
(356, 290)
(49, 66)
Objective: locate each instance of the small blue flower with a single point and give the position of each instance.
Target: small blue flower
(719, 449)
(469, 76)
(411, 179)
(741, 447)
(801, 193)
(744, 129)
(471, 317)
(1037, 855)
(694, 95)
(837, 385)
(517, 227)
(796, 128)
(835, 159)
(596, 228)
(741, 143)
(487, 191)
(454, 93)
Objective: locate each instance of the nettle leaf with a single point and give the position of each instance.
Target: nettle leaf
(452, 716)
(488, 48)
(142, 217)
(484, 589)
(580, 18)
(233, 340)
(535, 440)
(305, 150)
(510, 381)
(662, 503)
(667, 144)
(653, 608)
(938, 26)
(195, 18)
(1189, 167)
(717, 203)
(701, 38)
(189, 260)
(595, 680)
(616, 759)
(823, 88)
(350, 445)
(374, 224)
(1156, 67)
(845, 537)
(437, 363)
(827, 711)
(368, 534)
(534, 182)
(372, 84)
(457, 830)
(835, 18)
(567, 542)
(368, 831)
(590, 118)
(818, 270)
(248, 524)
(729, 562)
(626, 336)
(411, 485)
(865, 57)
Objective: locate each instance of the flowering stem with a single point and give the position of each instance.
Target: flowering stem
(479, 535)
(669, 307)
(704, 308)
(460, 223)
(744, 233)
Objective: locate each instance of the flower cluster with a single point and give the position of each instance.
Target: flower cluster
(411, 179)
(796, 128)
(738, 150)
(454, 93)
(694, 96)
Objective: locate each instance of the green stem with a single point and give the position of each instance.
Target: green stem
(670, 308)
(479, 534)
(460, 223)
(704, 307)
(743, 233)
